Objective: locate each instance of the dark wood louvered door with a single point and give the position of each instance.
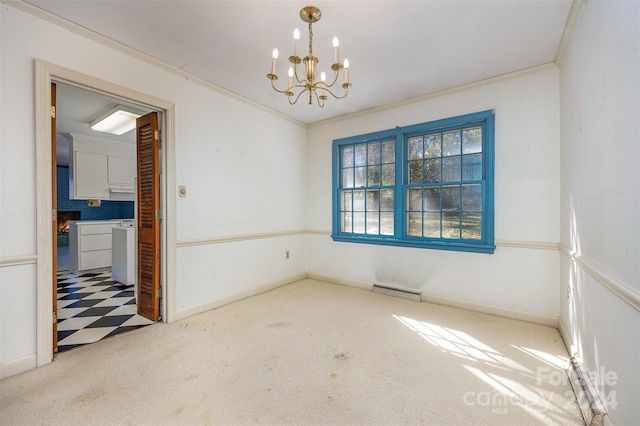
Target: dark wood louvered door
(148, 216)
(54, 226)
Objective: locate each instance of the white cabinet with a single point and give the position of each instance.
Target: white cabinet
(101, 169)
(90, 175)
(121, 170)
(90, 244)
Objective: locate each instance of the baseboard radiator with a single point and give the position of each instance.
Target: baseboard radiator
(591, 405)
(390, 291)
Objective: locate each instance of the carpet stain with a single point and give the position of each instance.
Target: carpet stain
(342, 356)
(280, 324)
(191, 377)
(177, 411)
(207, 418)
(89, 396)
(333, 376)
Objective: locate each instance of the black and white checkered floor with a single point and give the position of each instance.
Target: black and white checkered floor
(92, 306)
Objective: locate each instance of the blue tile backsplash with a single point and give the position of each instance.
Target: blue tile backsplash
(107, 210)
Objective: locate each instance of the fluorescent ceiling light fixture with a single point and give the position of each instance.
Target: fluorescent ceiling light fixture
(117, 121)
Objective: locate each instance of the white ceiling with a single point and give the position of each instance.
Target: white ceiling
(397, 49)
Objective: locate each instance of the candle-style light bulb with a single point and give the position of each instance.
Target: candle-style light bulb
(296, 37)
(336, 43)
(273, 62)
(323, 76)
(346, 71)
(290, 77)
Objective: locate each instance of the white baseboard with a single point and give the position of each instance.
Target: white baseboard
(564, 333)
(548, 320)
(207, 306)
(541, 319)
(11, 368)
(339, 281)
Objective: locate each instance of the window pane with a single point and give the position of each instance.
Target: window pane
(432, 146)
(374, 154)
(388, 174)
(345, 222)
(451, 143)
(471, 197)
(360, 155)
(360, 176)
(358, 201)
(432, 199)
(373, 223)
(414, 227)
(414, 146)
(415, 171)
(374, 176)
(450, 169)
(388, 152)
(386, 223)
(373, 200)
(358, 222)
(472, 140)
(347, 156)
(451, 198)
(415, 199)
(432, 225)
(386, 200)
(472, 225)
(346, 201)
(432, 170)
(451, 225)
(347, 178)
(472, 167)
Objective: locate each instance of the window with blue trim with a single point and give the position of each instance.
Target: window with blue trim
(428, 185)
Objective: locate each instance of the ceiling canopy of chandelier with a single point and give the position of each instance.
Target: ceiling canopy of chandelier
(318, 89)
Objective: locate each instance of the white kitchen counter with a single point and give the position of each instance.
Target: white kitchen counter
(90, 243)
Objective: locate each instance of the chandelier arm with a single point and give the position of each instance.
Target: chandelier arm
(339, 97)
(297, 97)
(336, 74)
(273, 84)
(295, 71)
(318, 99)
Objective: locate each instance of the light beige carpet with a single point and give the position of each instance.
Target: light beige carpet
(309, 353)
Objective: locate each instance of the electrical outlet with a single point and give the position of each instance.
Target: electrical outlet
(182, 191)
(286, 254)
(568, 293)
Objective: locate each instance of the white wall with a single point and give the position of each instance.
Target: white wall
(600, 187)
(229, 154)
(523, 273)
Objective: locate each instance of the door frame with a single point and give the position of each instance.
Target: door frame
(45, 74)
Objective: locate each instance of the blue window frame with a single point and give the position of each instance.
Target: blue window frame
(428, 185)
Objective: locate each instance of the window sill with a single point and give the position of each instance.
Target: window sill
(433, 245)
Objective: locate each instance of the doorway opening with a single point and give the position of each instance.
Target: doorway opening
(45, 75)
(96, 242)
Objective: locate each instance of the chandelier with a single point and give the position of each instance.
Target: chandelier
(317, 89)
